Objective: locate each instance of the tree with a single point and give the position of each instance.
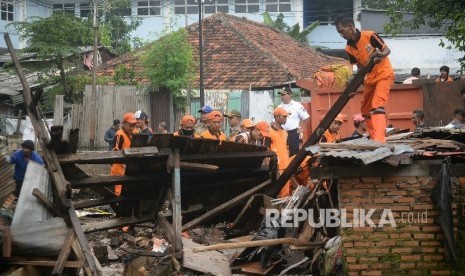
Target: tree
(170, 64)
(56, 37)
(117, 24)
(433, 13)
(293, 31)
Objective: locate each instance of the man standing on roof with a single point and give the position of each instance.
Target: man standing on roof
(123, 141)
(203, 124)
(234, 121)
(187, 127)
(331, 135)
(361, 46)
(214, 127)
(295, 122)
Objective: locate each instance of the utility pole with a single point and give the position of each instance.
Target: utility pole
(202, 93)
(93, 94)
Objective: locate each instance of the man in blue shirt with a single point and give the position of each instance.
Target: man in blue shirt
(20, 160)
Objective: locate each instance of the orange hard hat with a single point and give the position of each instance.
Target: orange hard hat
(187, 118)
(130, 118)
(215, 115)
(280, 111)
(263, 127)
(247, 123)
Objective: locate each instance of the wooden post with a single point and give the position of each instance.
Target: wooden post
(177, 222)
(64, 253)
(58, 111)
(18, 123)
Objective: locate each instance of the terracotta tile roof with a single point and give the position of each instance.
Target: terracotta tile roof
(239, 53)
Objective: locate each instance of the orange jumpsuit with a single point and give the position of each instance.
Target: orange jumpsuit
(377, 82)
(279, 146)
(207, 134)
(122, 141)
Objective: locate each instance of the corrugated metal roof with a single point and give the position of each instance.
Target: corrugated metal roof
(10, 84)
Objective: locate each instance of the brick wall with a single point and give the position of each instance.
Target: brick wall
(415, 246)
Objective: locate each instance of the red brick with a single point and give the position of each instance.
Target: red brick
(410, 258)
(363, 229)
(384, 200)
(433, 258)
(396, 193)
(378, 250)
(405, 235)
(427, 265)
(408, 243)
(353, 273)
(380, 266)
(348, 244)
(402, 250)
(357, 266)
(430, 243)
(353, 193)
(362, 244)
(423, 236)
(415, 272)
(423, 207)
(364, 186)
(351, 259)
(406, 200)
(407, 265)
(368, 259)
(372, 179)
(400, 208)
(378, 236)
(394, 179)
(431, 229)
(385, 186)
(410, 228)
(386, 243)
(440, 272)
(371, 273)
(428, 250)
(353, 251)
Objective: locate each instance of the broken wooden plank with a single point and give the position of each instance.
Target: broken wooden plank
(110, 180)
(58, 111)
(45, 202)
(176, 202)
(198, 166)
(64, 253)
(225, 206)
(109, 157)
(226, 155)
(256, 243)
(214, 263)
(41, 262)
(105, 201)
(105, 225)
(166, 228)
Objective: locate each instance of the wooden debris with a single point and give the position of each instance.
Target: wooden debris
(214, 263)
(64, 253)
(105, 225)
(257, 243)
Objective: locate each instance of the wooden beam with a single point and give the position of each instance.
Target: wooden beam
(46, 202)
(89, 256)
(198, 166)
(233, 245)
(176, 203)
(225, 206)
(6, 240)
(64, 253)
(226, 155)
(166, 227)
(105, 225)
(109, 157)
(105, 201)
(52, 263)
(110, 180)
(58, 111)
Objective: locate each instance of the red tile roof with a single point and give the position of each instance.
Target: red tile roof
(239, 53)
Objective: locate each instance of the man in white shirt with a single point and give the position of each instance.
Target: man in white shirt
(415, 73)
(295, 121)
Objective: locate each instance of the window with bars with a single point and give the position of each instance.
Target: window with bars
(213, 6)
(148, 7)
(186, 7)
(278, 5)
(84, 9)
(64, 7)
(247, 6)
(6, 10)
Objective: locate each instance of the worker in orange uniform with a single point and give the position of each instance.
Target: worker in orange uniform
(187, 127)
(331, 135)
(215, 122)
(278, 144)
(361, 47)
(444, 77)
(123, 141)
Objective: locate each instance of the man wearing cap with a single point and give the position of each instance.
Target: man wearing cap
(251, 134)
(203, 124)
(360, 127)
(187, 127)
(123, 141)
(142, 123)
(295, 121)
(110, 134)
(20, 159)
(331, 135)
(214, 127)
(234, 120)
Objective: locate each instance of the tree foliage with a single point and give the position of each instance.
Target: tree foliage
(433, 13)
(116, 26)
(170, 63)
(293, 31)
(54, 38)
